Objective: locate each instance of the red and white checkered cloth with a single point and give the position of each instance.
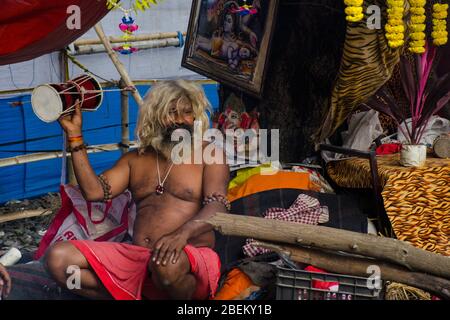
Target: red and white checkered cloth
(305, 209)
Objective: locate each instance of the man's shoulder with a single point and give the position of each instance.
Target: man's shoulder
(133, 155)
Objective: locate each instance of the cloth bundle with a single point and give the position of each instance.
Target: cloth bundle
(305, 209)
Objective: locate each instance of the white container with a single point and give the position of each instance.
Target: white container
(11, 257)
(413, 155)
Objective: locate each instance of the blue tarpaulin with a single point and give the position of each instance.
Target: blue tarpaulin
(21, 132)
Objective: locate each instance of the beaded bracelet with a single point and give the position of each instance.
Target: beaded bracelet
(107, 194)
(217, 197)
(77, 148)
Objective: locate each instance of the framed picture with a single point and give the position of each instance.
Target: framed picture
(229, 41)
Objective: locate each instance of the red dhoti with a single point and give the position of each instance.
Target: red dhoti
(123, 269)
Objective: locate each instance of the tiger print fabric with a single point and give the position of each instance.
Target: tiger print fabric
(417, 200)
(367, 63)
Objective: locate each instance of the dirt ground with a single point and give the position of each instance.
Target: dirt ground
(25, 234)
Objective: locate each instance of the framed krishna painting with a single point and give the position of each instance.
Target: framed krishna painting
(229, 41)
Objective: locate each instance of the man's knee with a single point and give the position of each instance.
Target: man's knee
(170, 273)
(57, 259)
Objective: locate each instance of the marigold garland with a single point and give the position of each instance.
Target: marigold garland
(395, 29)
(417, 27)
(354, 10)
(440, 34)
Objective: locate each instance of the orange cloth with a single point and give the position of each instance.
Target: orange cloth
(122, 268)
(236, 282)
(280, 180)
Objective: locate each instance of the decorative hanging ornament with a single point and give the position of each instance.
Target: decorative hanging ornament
(127, 26)
(244, 10)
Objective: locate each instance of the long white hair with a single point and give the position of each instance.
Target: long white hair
(154, 113)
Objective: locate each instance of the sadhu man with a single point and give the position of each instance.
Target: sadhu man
(171, 255)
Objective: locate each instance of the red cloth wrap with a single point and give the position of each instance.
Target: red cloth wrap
(123, 269)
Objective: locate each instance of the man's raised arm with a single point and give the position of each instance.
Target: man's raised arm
(116, 179)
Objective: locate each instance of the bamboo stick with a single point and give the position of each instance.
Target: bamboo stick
(163, 43)
(5, 162)
(124, 118)
(119, 39)
(64, 78)
(119, 66)
(386, 249)
(23, 215)
(108, 84)
(358, 266)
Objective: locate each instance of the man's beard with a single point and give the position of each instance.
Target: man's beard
(167, 132)
(167, 143)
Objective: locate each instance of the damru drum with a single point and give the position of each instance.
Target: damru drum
(51, 101)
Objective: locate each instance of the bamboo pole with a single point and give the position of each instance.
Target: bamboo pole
(358, 266)
(65, 77)
(155, 81)
(119, 66)
(23, 215)
(162, 43)
(6, 162)
(108, 84)
(124, 108)
(119, 39)
(386, 249)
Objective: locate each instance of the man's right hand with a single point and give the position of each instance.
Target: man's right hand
(5, 282)
(72, 123)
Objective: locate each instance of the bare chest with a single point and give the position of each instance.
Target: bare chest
(183, 182)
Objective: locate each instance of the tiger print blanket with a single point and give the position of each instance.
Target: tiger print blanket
(367, 64)
(417, 200)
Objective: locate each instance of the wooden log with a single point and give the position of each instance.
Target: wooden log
(23, 215)
(119, 39)
(386, 249)
(119, 66)
(358, 266)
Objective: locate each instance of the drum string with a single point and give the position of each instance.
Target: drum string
(87, 78)
(103, 90)
(84, 79)
(82, 67)
(72, 107)
(75, 85)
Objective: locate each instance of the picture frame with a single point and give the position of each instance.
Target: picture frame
(227, 45)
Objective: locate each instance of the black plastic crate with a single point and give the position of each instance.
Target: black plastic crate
(293, 284)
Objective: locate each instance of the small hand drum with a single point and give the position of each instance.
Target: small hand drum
(51, 101)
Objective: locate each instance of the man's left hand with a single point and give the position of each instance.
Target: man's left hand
(169, 247)
(5, 282)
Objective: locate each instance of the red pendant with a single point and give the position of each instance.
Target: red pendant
(159, 189)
